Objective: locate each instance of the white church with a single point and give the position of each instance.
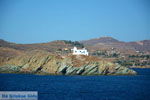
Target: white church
(80, 51)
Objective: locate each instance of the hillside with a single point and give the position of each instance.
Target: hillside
(102, 43)
(140, 45)
(105, 43)
(106, 40)
(53, 46)
(42, 62)
(129, 54)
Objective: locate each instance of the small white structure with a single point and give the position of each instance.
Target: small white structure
(80, 51)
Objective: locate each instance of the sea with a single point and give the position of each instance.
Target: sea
(49, 87)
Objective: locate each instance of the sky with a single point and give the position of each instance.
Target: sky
(36, 21)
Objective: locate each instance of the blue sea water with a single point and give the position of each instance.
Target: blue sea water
(81, 87)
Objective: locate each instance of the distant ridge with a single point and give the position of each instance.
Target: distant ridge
(92, 44)
(109, 42)
(100, 40)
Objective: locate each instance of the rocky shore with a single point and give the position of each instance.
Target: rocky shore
(40, 62)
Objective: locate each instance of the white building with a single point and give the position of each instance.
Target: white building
(79, 51)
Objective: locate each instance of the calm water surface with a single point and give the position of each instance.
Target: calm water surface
(81, 87)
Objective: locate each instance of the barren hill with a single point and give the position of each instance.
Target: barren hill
(50, 46)
(106, 43)
(103, 43)
(105, 40)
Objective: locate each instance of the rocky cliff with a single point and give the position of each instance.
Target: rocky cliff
(41, 62)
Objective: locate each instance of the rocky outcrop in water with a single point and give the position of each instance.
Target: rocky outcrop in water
(40, 62)
(95, 69)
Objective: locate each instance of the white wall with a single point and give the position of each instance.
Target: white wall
(80, 52)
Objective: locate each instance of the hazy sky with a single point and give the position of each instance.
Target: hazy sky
(34, 21)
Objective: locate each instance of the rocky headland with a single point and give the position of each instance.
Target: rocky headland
(42, 62)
